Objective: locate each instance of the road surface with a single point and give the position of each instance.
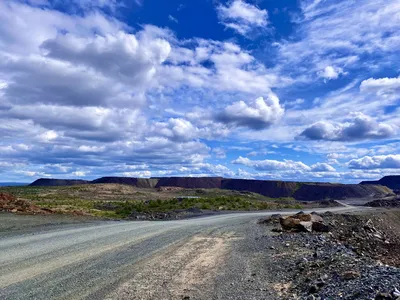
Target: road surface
(120, 260)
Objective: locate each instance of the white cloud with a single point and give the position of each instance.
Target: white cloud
(359, 127)
(176, 129)
(265, 165)
(381, 86)
(322, 167)
(48, 136)
(258, 114)
(242, 17)
(330, 73)
(376, 162)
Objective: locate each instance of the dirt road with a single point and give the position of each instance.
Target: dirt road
(188, 259)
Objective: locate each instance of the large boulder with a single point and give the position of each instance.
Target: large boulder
(304, 223)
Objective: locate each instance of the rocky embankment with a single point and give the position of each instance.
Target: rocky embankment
(352, 257)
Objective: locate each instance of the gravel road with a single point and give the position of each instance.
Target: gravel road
(187, 259)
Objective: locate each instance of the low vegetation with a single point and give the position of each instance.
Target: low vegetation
(119, 201)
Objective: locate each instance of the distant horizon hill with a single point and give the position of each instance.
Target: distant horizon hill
(14, 183)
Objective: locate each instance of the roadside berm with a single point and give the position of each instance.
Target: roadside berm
(336, 256)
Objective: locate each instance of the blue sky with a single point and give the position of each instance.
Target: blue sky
(293, 90)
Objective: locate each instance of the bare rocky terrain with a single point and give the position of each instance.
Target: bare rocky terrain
(359, 258)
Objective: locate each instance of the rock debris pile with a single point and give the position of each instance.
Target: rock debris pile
(354, 257)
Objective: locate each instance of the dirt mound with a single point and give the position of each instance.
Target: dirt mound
(9, 203)
(58, 182)
(138, 182)
(392, 182)
(321, 191)
(191, 182)
(273, 189)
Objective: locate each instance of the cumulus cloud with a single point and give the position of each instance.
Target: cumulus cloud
(242, 17)
(359, 127)
(330, 73)
(131, 58)
(376, 162)
(322, 167)
(381, 86)
(258, 114)
(176, 129)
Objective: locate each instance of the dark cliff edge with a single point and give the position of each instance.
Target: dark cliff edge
(325, 191)
(392, 182)
(138, 182)
(191, 182)
(273, 189)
